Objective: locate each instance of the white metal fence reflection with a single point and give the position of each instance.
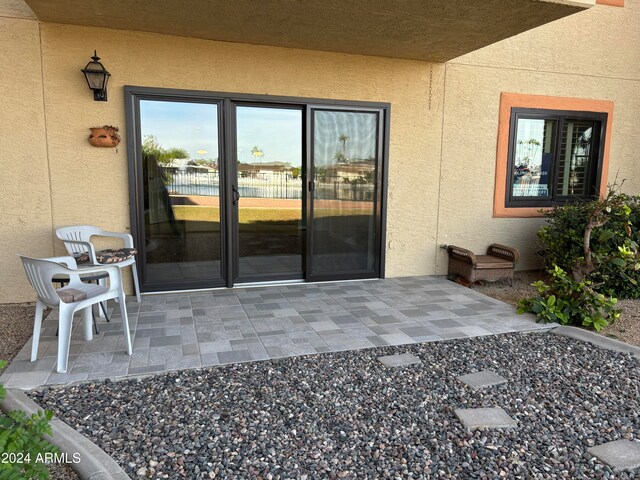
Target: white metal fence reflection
(281, 185)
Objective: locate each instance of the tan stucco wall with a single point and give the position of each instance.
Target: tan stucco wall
(443, 129)
(90, 185)
(594, 54)
(25, 208)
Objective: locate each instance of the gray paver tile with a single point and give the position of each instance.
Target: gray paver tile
(400, 360)
(496, 417)
(140, 358)
(482, 379)
(209, 359)
(179, 363)
(164, 341)
(215, 346)
(234, 356)
(151, 332)
(271, 322)
(397, 338)
(147, 369)
(622, 454)
(190, 349)
(158, 355)
(377, 341)
(417, 331)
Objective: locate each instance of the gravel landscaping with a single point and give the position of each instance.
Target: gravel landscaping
(346, 415)
(16, 325)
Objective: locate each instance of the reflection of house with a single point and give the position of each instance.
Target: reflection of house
(252, 169)
(352, 170)
(201, 169)
(187, 166)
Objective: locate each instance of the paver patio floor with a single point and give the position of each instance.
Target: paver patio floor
(192, 330)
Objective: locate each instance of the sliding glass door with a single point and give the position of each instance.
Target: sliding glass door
(268, 193)
(345, 205)
(180, 206)
(234, 189)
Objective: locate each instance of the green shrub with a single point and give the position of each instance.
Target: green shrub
(612, 244)
(22, 443)
(568, 302)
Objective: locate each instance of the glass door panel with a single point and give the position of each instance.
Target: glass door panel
(344, 210)
(181, 190)
(268, 193)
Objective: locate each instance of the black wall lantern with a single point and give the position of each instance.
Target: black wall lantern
(97, 78)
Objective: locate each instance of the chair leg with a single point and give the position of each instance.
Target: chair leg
(37, 326)
(135, 281)
(103, 282)
(95, 323)
(125, 321)
(64, 337)
(103, 306)
(87, 318)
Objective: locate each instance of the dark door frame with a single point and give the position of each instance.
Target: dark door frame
(233, 176)
(379, 190)
(226, 102)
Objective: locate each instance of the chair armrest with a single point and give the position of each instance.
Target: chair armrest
(88, 245)
(126, 237)
(67, 261)
(502, 251)
(462, 254)
(74, 273)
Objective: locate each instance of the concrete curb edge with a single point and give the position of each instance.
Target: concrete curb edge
(95, 464)
(597, 339)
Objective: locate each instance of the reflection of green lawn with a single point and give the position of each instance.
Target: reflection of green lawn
(193, 219)
(286, 216)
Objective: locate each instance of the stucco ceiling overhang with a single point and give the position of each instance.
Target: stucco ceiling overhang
(431, 30)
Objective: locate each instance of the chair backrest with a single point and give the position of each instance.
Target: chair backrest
(82, 233)
(40, 272)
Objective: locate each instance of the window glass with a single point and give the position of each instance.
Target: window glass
(575, 154)
(554, 157)
(533, 154)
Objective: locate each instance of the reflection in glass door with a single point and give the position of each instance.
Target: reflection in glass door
(229, 189)
(181, 193)
(344, 205)
(268, 193)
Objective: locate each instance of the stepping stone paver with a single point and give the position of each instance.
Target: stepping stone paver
(474, 418)
(622, 454)
(400, 360)
(485, 378)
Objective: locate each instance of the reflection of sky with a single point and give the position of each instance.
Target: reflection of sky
(359, 127)
(192, 126)
(530, 129)
(277, 132)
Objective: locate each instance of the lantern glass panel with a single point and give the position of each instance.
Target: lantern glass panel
(96, 80)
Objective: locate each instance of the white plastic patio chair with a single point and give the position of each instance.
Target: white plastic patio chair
(76, 296)
(77, 240)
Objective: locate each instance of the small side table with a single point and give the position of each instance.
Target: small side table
(62, 280)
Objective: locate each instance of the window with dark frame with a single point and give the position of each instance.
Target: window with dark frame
(554, 156)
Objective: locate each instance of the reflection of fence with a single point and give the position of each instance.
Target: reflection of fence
(267, 185)
(529, 187)
(335, 190)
